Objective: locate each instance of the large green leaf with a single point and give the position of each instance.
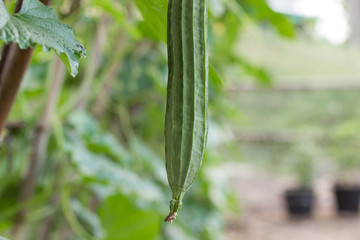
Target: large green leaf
(123, 220)
(97, 140)
(100, 168)
(38, 24)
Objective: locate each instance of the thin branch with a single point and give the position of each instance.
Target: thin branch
(108, 78)
(102, 99)
(75, 6)
(80, 100)
(40, 138)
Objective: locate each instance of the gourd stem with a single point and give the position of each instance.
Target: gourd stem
(170, 218)
(175, 206)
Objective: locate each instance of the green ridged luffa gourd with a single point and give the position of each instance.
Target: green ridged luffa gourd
(186, 123)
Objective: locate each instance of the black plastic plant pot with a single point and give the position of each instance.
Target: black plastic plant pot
(347, 199)
(299, 202)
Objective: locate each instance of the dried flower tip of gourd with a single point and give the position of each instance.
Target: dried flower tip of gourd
(170, 218)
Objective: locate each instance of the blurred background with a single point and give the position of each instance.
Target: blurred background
(284, 87)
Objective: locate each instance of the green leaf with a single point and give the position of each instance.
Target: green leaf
(260, 74)
(123, 220)
(88, 217)
(154, 13)
(116, 10)
(260, 10)
(38, 24)
(96, 140)
(214, 77)
(4, 15)
(99, 168)
(149, 160)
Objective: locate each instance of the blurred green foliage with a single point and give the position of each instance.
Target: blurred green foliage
(103, 174)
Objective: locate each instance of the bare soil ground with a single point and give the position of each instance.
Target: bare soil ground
(264, 216)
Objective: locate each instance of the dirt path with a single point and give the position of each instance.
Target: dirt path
(264, 217)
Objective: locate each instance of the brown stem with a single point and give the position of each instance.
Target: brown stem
(5, 52)
(15, 125)
(4, 56)
(18, 5)
(11, 76)
(13, 66)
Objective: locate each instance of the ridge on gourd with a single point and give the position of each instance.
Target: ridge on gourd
(186, 123)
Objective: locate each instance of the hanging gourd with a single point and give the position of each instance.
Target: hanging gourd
(186, 123)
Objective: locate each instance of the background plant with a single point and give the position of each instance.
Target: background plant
(100, 157)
